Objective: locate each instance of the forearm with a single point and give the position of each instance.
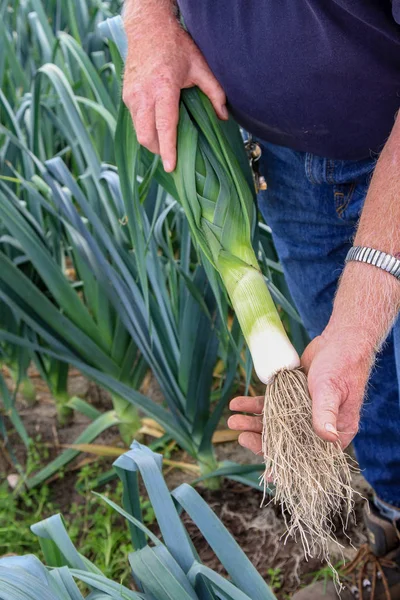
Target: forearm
(368, 299)
(148, 8)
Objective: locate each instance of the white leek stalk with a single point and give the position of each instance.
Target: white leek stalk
(259, 320)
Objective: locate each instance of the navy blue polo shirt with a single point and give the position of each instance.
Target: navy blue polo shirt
(320, 76)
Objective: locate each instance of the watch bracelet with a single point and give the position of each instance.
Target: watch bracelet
(377, 258)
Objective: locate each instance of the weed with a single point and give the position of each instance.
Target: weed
(21, 508)
(275, 579)
(325, 574)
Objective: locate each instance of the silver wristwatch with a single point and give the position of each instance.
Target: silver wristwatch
(382, 260)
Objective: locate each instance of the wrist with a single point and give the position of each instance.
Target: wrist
(366, 305)
(150, 22)
(357, 343)
(149, 11)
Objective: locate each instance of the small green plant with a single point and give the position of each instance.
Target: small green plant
(275, 579)
(149, 516)
(16, 518)
(21, 508)
(326, 574)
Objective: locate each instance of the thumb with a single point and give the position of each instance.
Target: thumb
(326, 399)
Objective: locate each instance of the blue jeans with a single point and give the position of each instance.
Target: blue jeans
(312, 205)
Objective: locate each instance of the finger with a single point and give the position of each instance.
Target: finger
(252, 441)
(327, 398)
(206, 81)
(145, 127)
(167, 116)
(248, 404)
(348, 422)
(345, 438)
(243, 423)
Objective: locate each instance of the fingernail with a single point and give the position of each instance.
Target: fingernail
(167, 166)
(329, 427)
(224, 112)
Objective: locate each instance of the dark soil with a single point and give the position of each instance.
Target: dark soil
(259, 532)
(261, 535)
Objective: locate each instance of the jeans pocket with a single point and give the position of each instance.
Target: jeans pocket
(350, 186)
(349, 199)
(343, 194)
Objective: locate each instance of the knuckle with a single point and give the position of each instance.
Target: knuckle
(127, 98)
(337, 386)
(139, 92)
(164, 124)
(129, 93)
(319, 429)
(198, 63)
(142, 120)
(329, 409)
(154, 149)
(174, 115)
(144, 110)
(141, 139)
(219, 93)
(165, 81)
(144, 138)
(204, 73)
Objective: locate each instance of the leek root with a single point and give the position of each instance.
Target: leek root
(312, 477)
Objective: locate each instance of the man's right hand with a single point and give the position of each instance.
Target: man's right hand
(162, 59)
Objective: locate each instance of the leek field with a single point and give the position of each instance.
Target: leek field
(119, 350)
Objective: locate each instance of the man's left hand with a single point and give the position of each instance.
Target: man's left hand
(338, 369)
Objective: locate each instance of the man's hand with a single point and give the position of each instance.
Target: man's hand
(162, 59)
(338, 368)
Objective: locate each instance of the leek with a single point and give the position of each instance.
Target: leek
(220, 206)
(312, 476)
